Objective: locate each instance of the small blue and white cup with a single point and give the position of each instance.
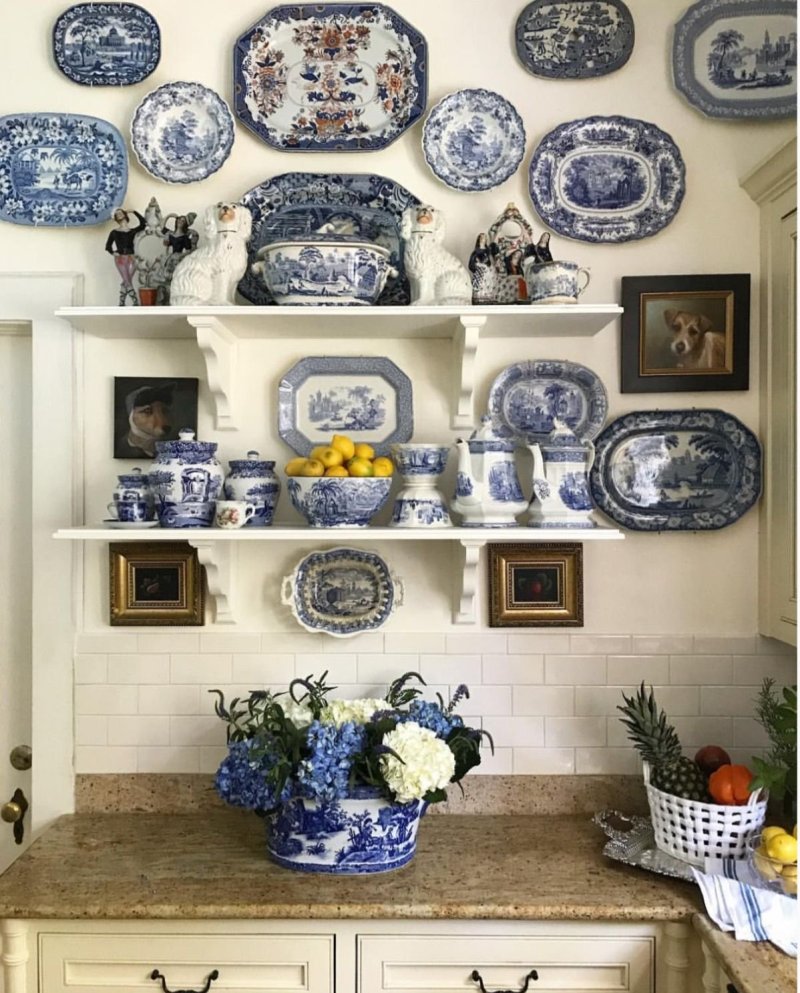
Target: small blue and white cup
(554, 282)
(233, 514)
(186, 515)
(130, 511)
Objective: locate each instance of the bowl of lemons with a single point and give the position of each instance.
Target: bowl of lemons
(773, 855)
(340, 485)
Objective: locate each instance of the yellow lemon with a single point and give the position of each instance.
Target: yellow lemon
(337, 470)
(317, 451)
(330, 457)
(764, 864)
(294, 467)
(344, 445)
(782, 848)
(789, 872)
(313, 467)
(364, 451)
(360, 467)
(770, 832)
(383, 466)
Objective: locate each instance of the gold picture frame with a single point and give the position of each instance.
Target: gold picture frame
(536, 585)
(155, 583)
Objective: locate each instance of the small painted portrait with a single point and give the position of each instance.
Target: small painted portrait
(157, 584)
(692, 333)
(535, 585)
(147, 410)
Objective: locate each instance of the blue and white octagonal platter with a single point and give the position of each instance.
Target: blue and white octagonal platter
(607, 179)
(473, 140)
(330, 77)
(526, 399)
(182, 132)
(60, 170)
(106, 44)
(676, 470)
(738, 58)
(368, 399)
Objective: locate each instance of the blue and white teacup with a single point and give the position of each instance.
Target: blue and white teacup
(130, 511)
(554, 282)
(186, 515)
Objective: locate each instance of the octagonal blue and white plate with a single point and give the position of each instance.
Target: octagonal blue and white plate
(182, 132)
(342, 592)
(473, 140)
(607, 179)
(676, 470)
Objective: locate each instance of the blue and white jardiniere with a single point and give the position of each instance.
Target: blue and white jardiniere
(186, 477)
(419, 504)
(561, 497)
(253, 479)
(488, 493)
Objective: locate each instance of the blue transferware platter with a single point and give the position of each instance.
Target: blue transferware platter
(526, 399)
(106, 44)
(296, 204)
(473, 140)
(738, 58)
(368, 399)
(607, 179)
(574, 39)
(60, 170)
(342, 592)
(182, 132)
(676, 470)
(330, 77)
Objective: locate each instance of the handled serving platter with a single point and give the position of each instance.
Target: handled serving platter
(106, 44)
(676, 470)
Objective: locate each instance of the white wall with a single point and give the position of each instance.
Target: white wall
(680, 585)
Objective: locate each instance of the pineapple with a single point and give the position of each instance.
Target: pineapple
(658, 744)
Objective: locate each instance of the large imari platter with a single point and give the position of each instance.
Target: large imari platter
(336, 77)
(607, 179)
(676, 470)
(738, 58)
(60, 170)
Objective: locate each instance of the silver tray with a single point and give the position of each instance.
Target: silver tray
(632, 842)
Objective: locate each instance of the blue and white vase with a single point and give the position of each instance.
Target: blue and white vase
(363, 833)
(184, 476)
(254, 480)
(419, 504)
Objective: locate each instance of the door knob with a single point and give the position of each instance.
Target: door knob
(21, 757)
(14, 812)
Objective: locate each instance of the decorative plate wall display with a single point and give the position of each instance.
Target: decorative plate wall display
(296, 204)
(368, 399)
(106, 44)
(342, 592)
(473, 140)
(337, 77)
(61, 170)
(182, 132)
(574, 39)
(676, 470)
(607, 179)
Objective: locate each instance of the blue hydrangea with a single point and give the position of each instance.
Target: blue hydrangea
(325, 773)
(430, 715)
(240, 779)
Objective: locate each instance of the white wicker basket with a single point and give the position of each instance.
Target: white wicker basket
(691, 830)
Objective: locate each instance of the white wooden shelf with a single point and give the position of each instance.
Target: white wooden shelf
(218, 331)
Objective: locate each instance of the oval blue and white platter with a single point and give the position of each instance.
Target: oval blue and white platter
(342, 592)
(527, 397)
(574, 39)
(60, 170)
(473, 140)
(738, 58)
(607, 179)
(106, 44)
(676, 470)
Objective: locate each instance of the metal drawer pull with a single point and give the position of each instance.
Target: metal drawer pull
(155, 974)
(476, 978)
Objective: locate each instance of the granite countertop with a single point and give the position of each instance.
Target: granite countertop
(753, 966)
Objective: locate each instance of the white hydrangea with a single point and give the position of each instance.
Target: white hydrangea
(428, 764)
(359, 711)
(298, 713)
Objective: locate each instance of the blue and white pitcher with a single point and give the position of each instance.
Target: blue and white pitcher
(488, 493)
(561, 465)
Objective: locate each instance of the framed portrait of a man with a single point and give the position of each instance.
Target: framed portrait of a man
(151, 409)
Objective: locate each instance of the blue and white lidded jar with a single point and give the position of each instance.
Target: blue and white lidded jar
(184, 475)
(132, 487)
(254, 480)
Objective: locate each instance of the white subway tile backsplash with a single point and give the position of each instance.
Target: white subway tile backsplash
(167, 758)
(501, 763)
(206, 731)
(91, 669)
(104, 759)
(544, 761)
(573, 731)
(168, 642)
(91, 730)
(369, 641)
(170, 700)
(261, 669)
(234, 642)
(209, 757)
(399, 643)
(469, 644)
(728, 701)
(662, 644)
(340, 668)
(622, 669)
(513, 732)
(544, 700)
(704, 645)
(383, 669)
(513, 669)
(771, 646)
(200, 668)
(695, 732)
(700, 670)
(451, 669)
(282, 643)
(139, 731)
(92, 644)
(747, 732)
(138, 669)
(538, 644)
(676, 700)
(580, 670)
(750, 670)
(486, 700)
(105, 699)
(606, 761)
(599, 644)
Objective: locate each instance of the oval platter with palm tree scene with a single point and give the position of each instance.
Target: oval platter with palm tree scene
(738, 58)
(676, 470)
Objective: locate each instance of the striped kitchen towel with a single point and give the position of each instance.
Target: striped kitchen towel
(753, 913)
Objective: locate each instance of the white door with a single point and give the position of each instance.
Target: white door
(15, 584)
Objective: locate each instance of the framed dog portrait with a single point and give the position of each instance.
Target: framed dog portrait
(685, 333)
(151, 409)
(536, 585)
(155, 583)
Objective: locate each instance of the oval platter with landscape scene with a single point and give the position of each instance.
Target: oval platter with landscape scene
(676, 470)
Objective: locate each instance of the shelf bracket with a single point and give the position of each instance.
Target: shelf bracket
(217, 558)
(466, 607)
(219, 348)
(465, 344)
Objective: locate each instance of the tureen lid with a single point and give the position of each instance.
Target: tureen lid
(252, 461)
(186, 445)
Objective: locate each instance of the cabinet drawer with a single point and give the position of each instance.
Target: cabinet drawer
(122, 963)
(430, 964)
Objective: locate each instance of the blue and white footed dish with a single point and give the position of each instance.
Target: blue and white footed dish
(342, 592)
(419, 504)
(330, 77)
(676, 470)
(574, 39)
(364, 832)
(297, 204)
(338, 501)
(254, 479)
(367, 398)
(60, 170)
(182, 132)
(106, 44)
(527, 398)
(607, 179)
(473, 140)
(738, 58)
(186, 480)
(488, 493)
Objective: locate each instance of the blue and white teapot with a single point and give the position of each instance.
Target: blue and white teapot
(561, 465)
(488, 493)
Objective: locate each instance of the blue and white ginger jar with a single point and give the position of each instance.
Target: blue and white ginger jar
(186, 472)
(254, 480)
